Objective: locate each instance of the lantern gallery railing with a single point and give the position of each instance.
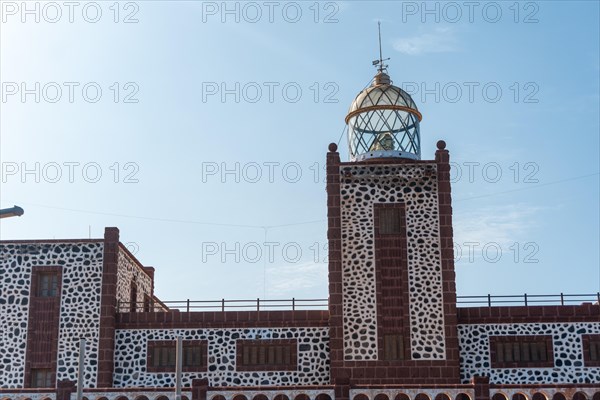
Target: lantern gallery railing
(322, 304)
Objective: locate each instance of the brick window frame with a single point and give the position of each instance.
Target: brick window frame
(390, 220)
(42, 340)
(38, 272)
(394, 348)
(172, 344)
(266, 348)
(545, 340)
(42, 374)
(591, 347)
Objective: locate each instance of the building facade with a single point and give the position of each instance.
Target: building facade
(392, 330)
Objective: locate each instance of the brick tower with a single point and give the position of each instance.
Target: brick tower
(391, 267)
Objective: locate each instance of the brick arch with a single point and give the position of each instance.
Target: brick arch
(141, 397)
(422, 396)
(102, 398)
(361, 396)
(559, 396)
(382, 396)
(539, 396)
(323, 396)
(184, 397)
(162, 398)
(499, 396)
(402, 396)
(442, 396)
(462, 396)
(580, 396)
(281, 396)
(302, 396)
(122, 398)
(519, 396)
(239, 397)
(217, 397)
(260, 397)
(596, 396)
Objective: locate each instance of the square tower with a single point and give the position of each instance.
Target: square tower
(391, 266)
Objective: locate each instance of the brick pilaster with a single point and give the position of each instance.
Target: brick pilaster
(108, 308)
(199, 389)
(334, 234)
(442, 159)
(150, 272)
(481, 384)
(64, 388)
(342, 386)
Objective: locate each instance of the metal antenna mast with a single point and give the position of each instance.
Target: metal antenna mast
(380, 52)
(379, 63)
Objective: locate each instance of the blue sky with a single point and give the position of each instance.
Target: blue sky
(209, 133)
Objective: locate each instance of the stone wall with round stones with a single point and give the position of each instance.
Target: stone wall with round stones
(129, 271)
(392, 392)
(81, 264)
(415, 185)
(313, 357)
(566, 345)
(28, 396)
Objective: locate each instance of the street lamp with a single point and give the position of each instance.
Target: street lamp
(15, 211)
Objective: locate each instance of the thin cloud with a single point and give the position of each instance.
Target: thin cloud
(442, 40)
(295, 279)
(503, 225)
(495, 232)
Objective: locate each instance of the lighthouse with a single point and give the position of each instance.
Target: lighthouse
(391, 268)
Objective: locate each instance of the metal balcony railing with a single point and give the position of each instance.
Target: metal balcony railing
(230, 305)
(322, 304)
(527, 299)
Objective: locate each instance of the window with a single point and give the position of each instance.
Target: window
(47, 284)
(393, 347)
(162, 355)
(390, 222)
(529, 351)
(266, 355)
(595, 350)
(41, 378)
(521, 352)
(591, 350)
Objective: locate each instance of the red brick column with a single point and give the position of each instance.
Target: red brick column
(442, 159)
(64, 388)
(334, 234)
(108, 308)
(342, 386)
(482, 387)
(199, 389)
(150, 272)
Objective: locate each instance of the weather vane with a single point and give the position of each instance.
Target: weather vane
(379, 63)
